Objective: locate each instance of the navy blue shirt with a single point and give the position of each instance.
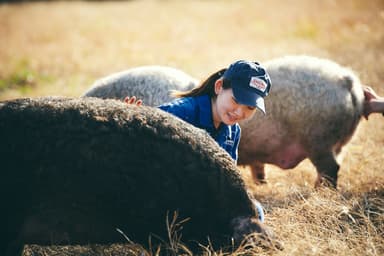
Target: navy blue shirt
(198, 112)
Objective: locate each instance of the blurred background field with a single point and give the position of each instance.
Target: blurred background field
(62, 47)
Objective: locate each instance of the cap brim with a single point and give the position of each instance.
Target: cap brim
(249, 98)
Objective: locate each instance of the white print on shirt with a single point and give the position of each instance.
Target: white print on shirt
(229, 143)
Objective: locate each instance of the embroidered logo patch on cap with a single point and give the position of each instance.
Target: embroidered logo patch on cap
(258, 83)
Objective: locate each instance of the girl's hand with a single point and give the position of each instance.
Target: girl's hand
(133, 100)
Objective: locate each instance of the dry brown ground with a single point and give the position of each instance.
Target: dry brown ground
(60, 48)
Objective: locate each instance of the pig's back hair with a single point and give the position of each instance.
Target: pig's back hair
(153, 84)
(316, 91)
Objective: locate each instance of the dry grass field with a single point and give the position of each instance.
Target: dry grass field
(60, 48)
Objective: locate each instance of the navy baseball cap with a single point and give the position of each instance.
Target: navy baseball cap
(250, 83)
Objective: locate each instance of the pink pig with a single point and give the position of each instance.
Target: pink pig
(313, 110)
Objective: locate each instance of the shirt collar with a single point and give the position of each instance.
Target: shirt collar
(205, 106)
(206, 119)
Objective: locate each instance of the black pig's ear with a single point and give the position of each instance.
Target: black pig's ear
(250, 231)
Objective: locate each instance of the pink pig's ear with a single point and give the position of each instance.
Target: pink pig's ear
(369, 93)
(373, 103)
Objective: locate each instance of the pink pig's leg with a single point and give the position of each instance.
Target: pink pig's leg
(327, 169)
(258, 172)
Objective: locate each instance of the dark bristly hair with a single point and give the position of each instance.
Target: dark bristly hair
(206, 87)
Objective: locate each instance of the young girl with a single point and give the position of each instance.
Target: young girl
(221, 101)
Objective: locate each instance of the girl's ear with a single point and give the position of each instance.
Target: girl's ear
(218, 86)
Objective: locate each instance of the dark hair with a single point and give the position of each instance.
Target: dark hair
(206, 87)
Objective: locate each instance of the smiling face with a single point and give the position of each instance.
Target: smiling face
(226, 109)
